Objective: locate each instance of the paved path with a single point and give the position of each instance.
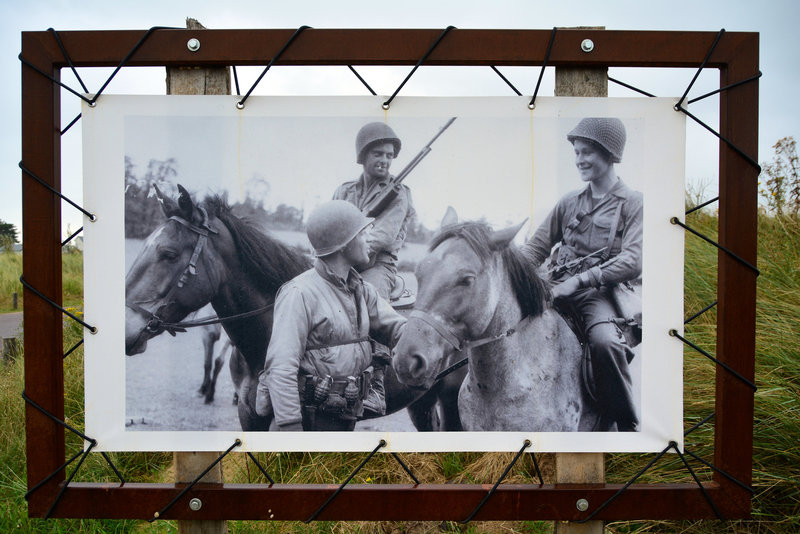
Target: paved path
(10, 324)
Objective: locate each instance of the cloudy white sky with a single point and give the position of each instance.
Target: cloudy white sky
(775, 20)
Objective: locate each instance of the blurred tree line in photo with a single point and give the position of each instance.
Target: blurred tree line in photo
(143, 212)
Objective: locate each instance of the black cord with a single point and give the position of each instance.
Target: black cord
(294, 36)
(423, 58)
(532, 103)
(525, 445)
(674, 333)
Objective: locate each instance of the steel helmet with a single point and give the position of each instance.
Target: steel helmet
(608, 132)
(333, 225)
(372, 133)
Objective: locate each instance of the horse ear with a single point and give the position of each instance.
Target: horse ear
(450, 217)
(168, 206)
(185, 203)
(501, 238)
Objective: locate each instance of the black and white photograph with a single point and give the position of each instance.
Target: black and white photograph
(314, 274)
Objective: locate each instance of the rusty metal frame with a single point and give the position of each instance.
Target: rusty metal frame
(736, 58)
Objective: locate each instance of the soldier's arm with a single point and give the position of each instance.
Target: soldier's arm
(289, 334)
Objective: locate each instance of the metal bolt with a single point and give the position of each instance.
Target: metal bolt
(587, 45)
(195, 504)
(193, 44)
(582, 505)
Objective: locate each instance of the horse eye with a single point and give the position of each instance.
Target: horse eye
(466, 281)
(168, 255)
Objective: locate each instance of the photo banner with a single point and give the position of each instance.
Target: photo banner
(202, 211)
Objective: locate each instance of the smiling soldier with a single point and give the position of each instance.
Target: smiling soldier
(376, 148)
(598, 230)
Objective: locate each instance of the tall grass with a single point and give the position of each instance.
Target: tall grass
(776, 459)
(11, 270)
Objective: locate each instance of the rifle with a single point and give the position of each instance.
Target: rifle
(558, 270)
(380, 202)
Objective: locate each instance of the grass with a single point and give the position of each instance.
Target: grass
(11, 270)
(776, 457)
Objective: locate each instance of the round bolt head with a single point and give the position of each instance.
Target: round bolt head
(582, 505)
(193, 44)
(587, 45)
(195, 504)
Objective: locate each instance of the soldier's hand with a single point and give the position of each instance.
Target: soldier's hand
(566, 288)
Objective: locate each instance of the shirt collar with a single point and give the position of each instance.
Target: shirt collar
(353, 278)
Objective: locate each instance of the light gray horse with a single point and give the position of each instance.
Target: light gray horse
(479, 296)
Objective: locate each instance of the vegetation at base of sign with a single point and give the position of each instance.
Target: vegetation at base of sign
(11, 270)
(776, 457)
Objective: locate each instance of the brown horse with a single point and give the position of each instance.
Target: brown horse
(478, 295)
(205, 254)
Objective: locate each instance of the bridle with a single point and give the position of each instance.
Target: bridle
(458, 344)
(156, 325)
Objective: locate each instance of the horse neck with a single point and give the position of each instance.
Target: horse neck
(486, 367)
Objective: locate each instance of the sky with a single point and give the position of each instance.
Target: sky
(775, 20)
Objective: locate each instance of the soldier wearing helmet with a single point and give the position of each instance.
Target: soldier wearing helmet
(319, 373)
(598, 234)
(376, 147)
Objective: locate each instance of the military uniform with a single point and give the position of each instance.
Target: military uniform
(388, 231)
(582, 226)
(321, 328)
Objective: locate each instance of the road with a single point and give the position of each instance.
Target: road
(10, 324)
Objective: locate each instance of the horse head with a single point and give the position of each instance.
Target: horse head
(462, 283)
(175, 272)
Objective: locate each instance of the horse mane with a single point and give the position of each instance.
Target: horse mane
(532, 293)
(267, 260)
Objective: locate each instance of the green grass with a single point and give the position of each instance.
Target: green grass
(776, 457)
(11, 270)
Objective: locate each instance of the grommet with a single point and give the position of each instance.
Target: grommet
(193, 44)
(531, 106)
(239, 105)
(385, 106)
(587, 45)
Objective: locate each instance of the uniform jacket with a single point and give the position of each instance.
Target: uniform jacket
(582, 229)
(320, 308)
(390, 227)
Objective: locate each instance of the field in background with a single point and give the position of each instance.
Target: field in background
(776, 457)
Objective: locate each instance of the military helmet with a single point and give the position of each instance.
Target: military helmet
(333, 225)
(608, 132)
(373, 133)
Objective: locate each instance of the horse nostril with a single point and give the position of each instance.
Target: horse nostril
(417, 366)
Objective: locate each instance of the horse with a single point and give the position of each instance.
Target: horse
(479, 295)
(205, 254)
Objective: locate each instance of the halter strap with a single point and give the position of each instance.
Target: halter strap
(202, 236)
(430, 320)
(453, 340)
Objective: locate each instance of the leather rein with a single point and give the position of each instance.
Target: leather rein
(155, 324)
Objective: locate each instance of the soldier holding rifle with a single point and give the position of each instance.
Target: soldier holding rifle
(599, 233)
(384, 197)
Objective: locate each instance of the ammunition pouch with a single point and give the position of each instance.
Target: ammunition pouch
(331, 396)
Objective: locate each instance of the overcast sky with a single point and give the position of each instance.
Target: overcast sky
(776, 21)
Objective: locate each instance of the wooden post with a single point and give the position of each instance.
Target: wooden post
(583, 468)
(198, 81)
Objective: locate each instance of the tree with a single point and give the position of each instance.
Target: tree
(781, 179)
(9, 231)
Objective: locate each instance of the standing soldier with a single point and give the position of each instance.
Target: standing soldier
(318, 369)
(376, 147)
(599, 233)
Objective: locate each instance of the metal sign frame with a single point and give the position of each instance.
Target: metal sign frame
(736, 58)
